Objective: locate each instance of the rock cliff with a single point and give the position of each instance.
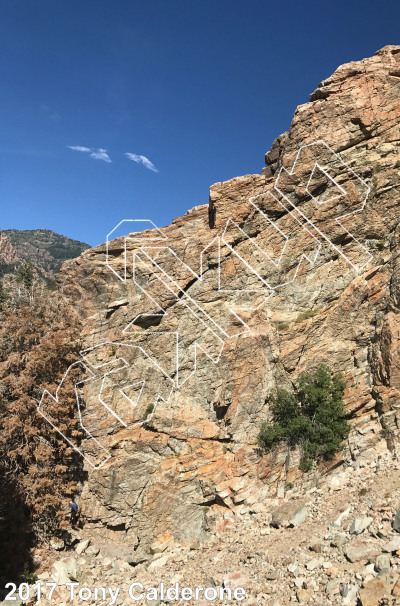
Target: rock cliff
(188, 329)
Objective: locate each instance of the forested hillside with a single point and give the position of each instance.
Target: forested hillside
(45, 249)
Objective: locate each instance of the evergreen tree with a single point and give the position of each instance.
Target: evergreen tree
(3, 297)
(313, 417)
(25, 274)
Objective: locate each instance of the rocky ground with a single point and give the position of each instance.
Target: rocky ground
(338, 543)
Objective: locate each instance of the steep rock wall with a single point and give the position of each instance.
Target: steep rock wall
(280, 254)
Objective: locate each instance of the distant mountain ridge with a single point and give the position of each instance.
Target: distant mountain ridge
(46, 249)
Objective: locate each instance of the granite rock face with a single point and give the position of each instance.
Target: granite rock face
(191, 329)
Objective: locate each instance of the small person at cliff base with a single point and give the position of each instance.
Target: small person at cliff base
(74, 512)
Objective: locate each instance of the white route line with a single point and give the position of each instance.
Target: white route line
(368, 189)
(89, 368)
(56, 400)
(191, 304)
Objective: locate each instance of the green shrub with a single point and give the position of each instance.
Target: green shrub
(380, 245)
(282, 326)
(312, 417)
(305, 315)
(51, 284)
(148, 411)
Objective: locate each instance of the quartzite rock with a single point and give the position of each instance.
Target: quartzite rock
(80, 548)
(372, 592)
(196, 457)
(65, 570)
(291, 513)
(359, 550)
(360, 524)
(392, 545)
(382, 563)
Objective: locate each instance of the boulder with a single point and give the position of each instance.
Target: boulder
(300, 582)
(360, 524)
(338, 481)
(316, 545)
(339, 539)
(291, 513)
(161, 543)
(57, 544)
(349, 593)
(358, 102)
(359, 550)
(339, 519)
(294, 569)
(64, 571)
(382, 562)
(372, 592)
(392, 545)
(80, 548)
(92, 551)
(138, 557)
(304, 595)
(332, 587)
(313, 564)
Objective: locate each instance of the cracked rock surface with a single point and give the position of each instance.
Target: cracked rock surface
(262, 285)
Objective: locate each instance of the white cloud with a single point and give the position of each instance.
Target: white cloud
(101, 154)
(79, 148)
(96, 154)
(142, 160)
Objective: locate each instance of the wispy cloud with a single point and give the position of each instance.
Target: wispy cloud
(79, 148)
(100, 154)
(96, 154)
(142, 160)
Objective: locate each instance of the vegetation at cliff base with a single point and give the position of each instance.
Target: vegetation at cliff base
(311, 417)
(39, 339)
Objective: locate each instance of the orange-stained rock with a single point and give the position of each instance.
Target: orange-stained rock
(199, 450)
(372, 593)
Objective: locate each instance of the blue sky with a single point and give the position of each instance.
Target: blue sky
(200, 88)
